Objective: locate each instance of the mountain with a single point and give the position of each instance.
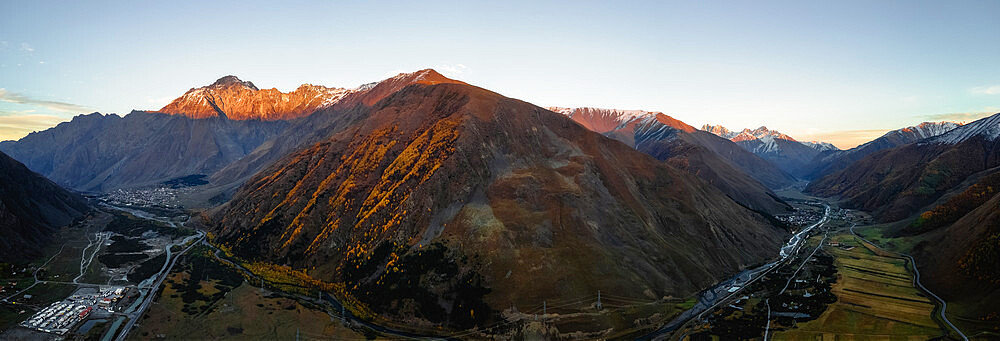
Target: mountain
(448, 203)
(101, 153)
(232, 98)
(940, 183)
(894, 183)
(821, 146)
(738, 173)
(832, 161)
(324, 123)
(31, 208)
(783, 151)
(959, 249)
(719, 131)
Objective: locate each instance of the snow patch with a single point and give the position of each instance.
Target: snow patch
(988, 128)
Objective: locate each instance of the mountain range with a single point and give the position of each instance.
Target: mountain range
(743, 176)
(831, 161)
(942, 192)
(457, 202)
(791, 156)
(429, 200)
(235, 99)
(205, 136)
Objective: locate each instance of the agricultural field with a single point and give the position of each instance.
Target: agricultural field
(875, 299)
(206, 299)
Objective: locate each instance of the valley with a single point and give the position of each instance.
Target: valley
(423, 207)
(105, 268)
(839, 285)
(824, 281)
(206, 290)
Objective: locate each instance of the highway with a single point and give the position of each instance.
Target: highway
(162, 275)
(916, 280)
(711, 298)
(135, 312)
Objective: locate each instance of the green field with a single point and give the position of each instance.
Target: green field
(876, 300)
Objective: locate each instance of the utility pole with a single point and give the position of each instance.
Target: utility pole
(598, 300)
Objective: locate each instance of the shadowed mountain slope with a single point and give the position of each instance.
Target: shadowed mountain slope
(738, 173)
(100, 153)
(31, 208)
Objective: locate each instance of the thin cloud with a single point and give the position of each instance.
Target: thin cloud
(986, 90)
(846, 139)
(7, 96)
(14, 126)
(451, 70)
(393, 73)
(27, 48)
(958, 116)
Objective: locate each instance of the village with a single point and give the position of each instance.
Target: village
(87, 302)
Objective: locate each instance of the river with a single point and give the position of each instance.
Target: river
(710, 297)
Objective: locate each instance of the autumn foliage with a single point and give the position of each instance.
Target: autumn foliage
(956, 207)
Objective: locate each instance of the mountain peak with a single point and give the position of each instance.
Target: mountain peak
(231, 80)
(719, 131)
(987, 127)
(425, 76)
(746, 134)
(236, 99)
(820, 145)
(604, 120)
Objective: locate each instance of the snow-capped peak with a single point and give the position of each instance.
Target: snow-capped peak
(820, 146)
(928, 129)
(620, 117)
(988, 128)
(719, 131)
(745, 134)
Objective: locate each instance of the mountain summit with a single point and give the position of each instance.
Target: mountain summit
(233, 81)
(236, 99)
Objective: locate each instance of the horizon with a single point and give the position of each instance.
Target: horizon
(795, 68)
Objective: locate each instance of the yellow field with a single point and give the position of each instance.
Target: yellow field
(876, 300)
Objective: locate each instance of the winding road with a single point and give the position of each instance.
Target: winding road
(916, 280)
(35, 275)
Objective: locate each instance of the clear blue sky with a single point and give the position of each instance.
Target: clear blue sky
(812, 69)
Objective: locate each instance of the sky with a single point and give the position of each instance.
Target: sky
(838, 71)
